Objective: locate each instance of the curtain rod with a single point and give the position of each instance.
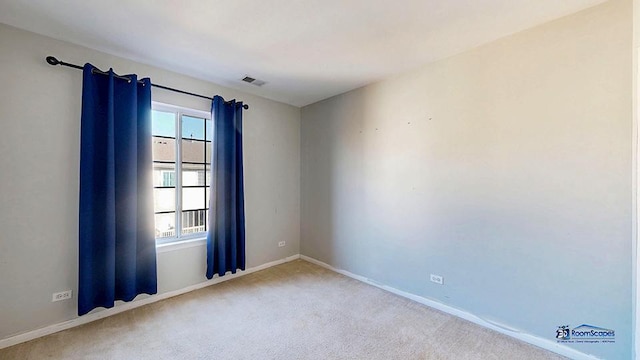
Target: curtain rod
(53, 61)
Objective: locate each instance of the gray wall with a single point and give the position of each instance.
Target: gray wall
(506, 169)
(39, 166)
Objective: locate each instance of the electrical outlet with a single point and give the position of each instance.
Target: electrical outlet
(282, 243)
(64, 295)
(437, 279)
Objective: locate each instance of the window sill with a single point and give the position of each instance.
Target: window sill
(184, 244)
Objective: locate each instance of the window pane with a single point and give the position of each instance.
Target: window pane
(193, 198)
(163, 123)
(208, 198)
(164, 200)
(209, 134)
(164, 149)
(165, 225)
(193, 151)
(193, 221)
(193, 175)
(207, 175)
(192, 128)
(164, 174)
(209, 149)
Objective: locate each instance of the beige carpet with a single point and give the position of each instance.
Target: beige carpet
(293, 311)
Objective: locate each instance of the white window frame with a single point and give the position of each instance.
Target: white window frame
(180, 111)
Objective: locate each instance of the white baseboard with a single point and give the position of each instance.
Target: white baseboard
(531, 339)
(34, 334)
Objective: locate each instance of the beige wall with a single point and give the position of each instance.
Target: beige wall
(39, 167)
(506, 169)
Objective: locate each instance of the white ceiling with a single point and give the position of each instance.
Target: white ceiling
(306, 50)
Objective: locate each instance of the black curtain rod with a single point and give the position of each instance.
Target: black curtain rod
(53, 61)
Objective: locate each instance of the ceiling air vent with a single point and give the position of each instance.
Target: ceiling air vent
(253, 81)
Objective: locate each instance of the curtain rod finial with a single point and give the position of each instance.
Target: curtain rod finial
(52, 60)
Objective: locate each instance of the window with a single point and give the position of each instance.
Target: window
(181, 172)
